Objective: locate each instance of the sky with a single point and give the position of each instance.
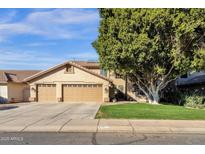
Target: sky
(41, 38)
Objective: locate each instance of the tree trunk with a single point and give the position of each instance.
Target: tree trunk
(154, 99)
(151, 94)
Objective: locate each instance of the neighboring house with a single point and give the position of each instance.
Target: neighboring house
(72, 81)
(12, 86)
(194, 82)
(188, 83)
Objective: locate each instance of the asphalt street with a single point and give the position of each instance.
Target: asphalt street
(100, 139)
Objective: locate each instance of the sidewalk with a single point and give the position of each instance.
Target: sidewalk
(112, 125)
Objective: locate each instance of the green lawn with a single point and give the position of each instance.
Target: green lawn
(148, 111)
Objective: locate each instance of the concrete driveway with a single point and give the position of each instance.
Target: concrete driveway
(23, 115)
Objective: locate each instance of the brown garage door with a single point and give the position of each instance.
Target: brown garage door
(82, 93)
(46, 92)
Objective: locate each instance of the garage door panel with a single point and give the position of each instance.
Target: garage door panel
(46, 92)
(82, 92)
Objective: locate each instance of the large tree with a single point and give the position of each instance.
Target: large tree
(152, 47)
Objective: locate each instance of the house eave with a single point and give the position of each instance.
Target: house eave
(61, 65)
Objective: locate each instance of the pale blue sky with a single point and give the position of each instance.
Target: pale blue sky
(41, 38)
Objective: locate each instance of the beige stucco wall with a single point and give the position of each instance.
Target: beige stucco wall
(95, 70)
(134, 95)
(18, 92)
(59, 77)
(119, 83)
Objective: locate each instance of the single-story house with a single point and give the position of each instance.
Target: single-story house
(71, 81)
(194, 83)
(12, 86)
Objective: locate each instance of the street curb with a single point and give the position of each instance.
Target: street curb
(116, 129)
(112, 126)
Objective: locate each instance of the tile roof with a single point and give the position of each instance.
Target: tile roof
(88, 64)
(79, 64)
(15, 75)
(190, 81)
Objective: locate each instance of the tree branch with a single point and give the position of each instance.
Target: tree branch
(166, 83)
(165, 77)
(138, 78)
(144, 91)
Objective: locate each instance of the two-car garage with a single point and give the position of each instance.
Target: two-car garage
(71, 93)
(69, 82)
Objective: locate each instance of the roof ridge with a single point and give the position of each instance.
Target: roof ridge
(62, 64)
(19, 70)
(83, 60)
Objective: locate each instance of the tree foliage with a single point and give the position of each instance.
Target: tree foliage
(151, 46)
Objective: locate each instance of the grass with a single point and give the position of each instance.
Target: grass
(148, 111)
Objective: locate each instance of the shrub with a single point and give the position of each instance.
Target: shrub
(184, 97)
(194, 100)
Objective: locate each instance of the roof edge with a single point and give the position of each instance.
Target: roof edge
(62, 64)
(5, 77)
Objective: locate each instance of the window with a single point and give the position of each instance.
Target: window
(130, 87)
(103, 72)
(69, 69)
(118, 76)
